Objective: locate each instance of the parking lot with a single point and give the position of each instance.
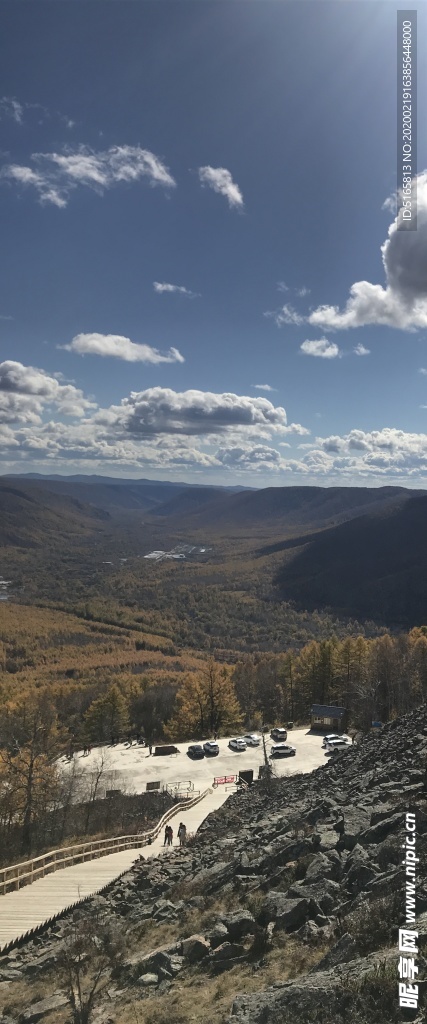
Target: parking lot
(130, 768)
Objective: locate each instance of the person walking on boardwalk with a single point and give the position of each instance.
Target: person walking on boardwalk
(170, 835)
(166, 835)
(182, 833)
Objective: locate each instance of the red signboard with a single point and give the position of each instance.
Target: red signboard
(221, 779)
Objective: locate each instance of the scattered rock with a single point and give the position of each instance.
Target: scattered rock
(148, 979)
(228, 951)
(289, 914)
(195, 948)
(239, 924)
(217, 935)
(43, 1007)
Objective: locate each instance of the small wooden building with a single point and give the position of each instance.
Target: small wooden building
(328, 717)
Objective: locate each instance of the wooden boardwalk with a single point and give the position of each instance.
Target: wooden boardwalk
(33, 904)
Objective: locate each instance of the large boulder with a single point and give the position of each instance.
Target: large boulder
(43, 1007)
(323, 866)
(164, 910)
(354, 821)
(376, 833)
(10, 974)
(359, 869)
(148, 979)
(217, 935)
(228, 951)
(238, 924)
(325, 837)
(214, 878)
(343, 951)
(167, 958)
(195, 948)
(299, 1000)
(289, 914)
(326, 893)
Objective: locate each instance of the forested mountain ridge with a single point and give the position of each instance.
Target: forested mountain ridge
(374, 566)
(289, 507)
(114, 494)
(31, 517)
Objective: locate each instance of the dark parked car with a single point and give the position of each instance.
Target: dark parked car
(195, 751)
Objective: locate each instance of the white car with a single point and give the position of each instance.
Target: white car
(238, 744)
(279, 735)
(334, 736)
(282, 750)
(211, 748)
(336, 745)
(252, 739)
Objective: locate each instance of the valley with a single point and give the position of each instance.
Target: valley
(175, 613)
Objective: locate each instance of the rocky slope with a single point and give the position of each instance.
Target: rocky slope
(308, 862)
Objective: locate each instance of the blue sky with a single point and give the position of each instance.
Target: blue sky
(239, 152)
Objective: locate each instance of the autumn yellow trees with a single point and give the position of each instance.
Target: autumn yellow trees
(206, 703)
(30, 741)
(376, 678)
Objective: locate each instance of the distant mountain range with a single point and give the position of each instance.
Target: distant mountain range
(93, 478)
(113, 494)
(287, 509)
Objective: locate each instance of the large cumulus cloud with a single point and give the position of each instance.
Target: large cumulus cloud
(26, 390)
(163, 411)
(402, 303)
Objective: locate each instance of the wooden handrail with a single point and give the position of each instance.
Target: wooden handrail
(13, 875)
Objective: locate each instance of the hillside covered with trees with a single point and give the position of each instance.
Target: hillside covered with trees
(97, 641)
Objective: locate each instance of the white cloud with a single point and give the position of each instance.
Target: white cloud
(263, 387)
(161, 287)
(257, 457)
(22, 112)
(116, 346)
(157, 428)
(388, 455)
(360, 350)
(9, 107)
(388, 448)
(423, 370)
(295, 428)
(160, 429)
(163, 411)
(286, 315)
(220, 180)
(390, 203)
(302, 292)
(26, 390)
(55, 175)
(402, 303)
(322, 348)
